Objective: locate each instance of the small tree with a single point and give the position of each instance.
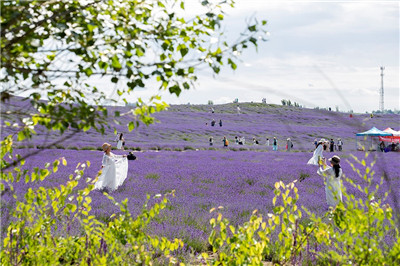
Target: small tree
(59, 48)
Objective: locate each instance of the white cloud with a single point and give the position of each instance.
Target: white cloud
(337, 47)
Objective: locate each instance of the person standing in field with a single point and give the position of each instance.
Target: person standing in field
(225, 141)
(114, 170)
(332, 176)
(331, 145)
(275, 144)
(220, 123)
(317, 155)
(339, 144)
(121, 142)
(267, 143)
(289, 144)
(211, 140)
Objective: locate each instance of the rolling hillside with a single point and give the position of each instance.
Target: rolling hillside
(188, 127)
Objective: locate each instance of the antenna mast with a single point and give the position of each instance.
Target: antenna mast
(381, 102)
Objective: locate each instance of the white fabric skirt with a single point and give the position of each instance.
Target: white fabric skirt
(113, 175)
(119, 144)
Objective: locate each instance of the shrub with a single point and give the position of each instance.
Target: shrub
(358, 229)
(152, 176)
(31, 237)
(188, 148)
(351, 234)
(87, 148)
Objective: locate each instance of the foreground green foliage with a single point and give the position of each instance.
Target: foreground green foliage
(351, 234)
(34, 237)
(358, 228)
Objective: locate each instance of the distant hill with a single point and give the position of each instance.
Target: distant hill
(188, 127)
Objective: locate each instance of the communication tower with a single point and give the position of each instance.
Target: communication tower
(381, 102)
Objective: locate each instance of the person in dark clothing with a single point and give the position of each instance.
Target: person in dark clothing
(331, 145)
(382, 146)
(225, 141)
(275, 144)
(220, 123)
(213, 123)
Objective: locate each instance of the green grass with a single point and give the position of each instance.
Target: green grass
(207, 181)
(249, 181)
(188, 148)
(244, 213)
(152, 176)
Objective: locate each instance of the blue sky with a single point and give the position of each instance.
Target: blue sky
(324, 54)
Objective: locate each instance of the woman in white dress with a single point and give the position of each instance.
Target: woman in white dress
(114, 170)
(332, 176)
(121, 142)
(318, 153)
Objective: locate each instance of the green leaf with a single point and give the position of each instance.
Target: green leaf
(252, 28)
(88, 72)
(71, 207)
(90, 27)
(21, 136)
(233, 65)
(175, 89)
(131, 126)
(115, 62)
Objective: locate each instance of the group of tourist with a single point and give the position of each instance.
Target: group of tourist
(241, 140)
(114, 167)
(213, 123)
(391, 147)
(333, 146)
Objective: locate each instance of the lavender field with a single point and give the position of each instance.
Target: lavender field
(239, 181)
(184, 127)
(175, 155)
